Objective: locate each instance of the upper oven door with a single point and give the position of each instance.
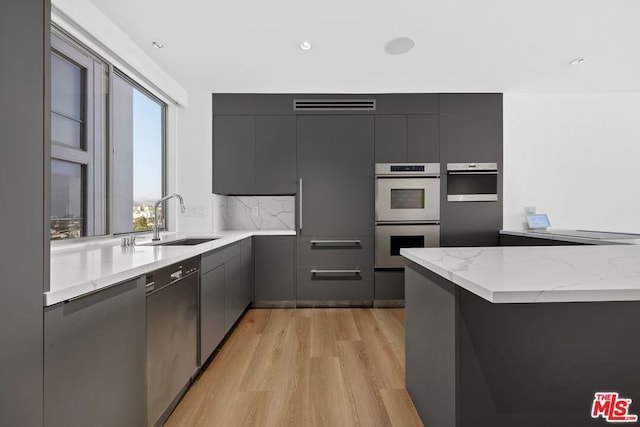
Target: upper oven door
(407, 199)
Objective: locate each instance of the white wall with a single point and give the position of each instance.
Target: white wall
(575, 157)
(193, 162)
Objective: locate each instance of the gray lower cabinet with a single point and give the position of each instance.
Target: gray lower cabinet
(95, 358)
(335, 270)
(254, 154)
(274, 270)
(233, 293)
(212, 302)
(389, 286)
(226, 289)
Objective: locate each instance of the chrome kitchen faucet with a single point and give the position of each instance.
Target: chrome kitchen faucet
(156, 225)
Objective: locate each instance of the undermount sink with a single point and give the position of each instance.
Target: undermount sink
(190, 241)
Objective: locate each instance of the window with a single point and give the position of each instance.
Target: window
(138, 138)
(101, 182)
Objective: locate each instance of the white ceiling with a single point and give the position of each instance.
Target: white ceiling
(461, 45)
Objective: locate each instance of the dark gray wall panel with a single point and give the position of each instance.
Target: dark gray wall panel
(24, 119)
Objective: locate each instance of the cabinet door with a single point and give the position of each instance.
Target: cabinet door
(246, 270)
(391, 139)
(233, 293)
(212, 300)
(95, 359)
(234, 154)
(471, 128)
(275, 155)
(335, 163)
(423, 138)
(274, 268)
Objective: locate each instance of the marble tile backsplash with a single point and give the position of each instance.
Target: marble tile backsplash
(260, 213)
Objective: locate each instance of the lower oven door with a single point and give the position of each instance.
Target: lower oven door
(390, 238)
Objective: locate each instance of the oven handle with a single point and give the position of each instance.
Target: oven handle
(392, 223)
(473, 172)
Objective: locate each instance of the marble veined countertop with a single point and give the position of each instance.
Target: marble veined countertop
(579, 236)
(79, 269)
(538, 274)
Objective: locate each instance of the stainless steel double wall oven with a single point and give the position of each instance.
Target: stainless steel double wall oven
(407, 199)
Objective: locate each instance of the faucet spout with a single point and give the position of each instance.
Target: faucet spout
(156, 223)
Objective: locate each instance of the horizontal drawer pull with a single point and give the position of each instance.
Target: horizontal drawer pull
(473, 172)
(336, 242)
(344, 272)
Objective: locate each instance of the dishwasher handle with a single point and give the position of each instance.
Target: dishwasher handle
(176, 275)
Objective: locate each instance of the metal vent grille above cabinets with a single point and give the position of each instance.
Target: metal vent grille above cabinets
(334, 105)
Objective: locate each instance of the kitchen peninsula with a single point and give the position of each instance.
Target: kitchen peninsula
(522, 336)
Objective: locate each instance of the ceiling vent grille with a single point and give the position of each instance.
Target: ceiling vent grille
(334, 105)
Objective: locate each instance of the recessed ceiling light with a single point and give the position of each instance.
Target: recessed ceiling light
(305, 45)
(399, 45)
(157, 44)
(576, 61)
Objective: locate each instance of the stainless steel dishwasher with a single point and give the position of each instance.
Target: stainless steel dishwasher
(172, 336)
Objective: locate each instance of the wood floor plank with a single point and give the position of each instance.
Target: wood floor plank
(323, 337)
(384, 361)
(305, 367)
(363, 388)
(400, 408)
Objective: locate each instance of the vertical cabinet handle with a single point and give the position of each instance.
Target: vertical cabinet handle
(300, 206)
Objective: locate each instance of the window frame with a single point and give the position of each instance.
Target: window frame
(97, 197)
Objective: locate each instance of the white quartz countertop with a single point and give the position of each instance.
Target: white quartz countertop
(79, 269)
(578, 236)
(538, 274)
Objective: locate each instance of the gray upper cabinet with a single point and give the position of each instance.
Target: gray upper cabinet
(335, 164)
(423, 138)
(470, 128)
(407, 138)
(95, 359)
(234, 154)
(254, 154)
(275, 155)
(391, 139)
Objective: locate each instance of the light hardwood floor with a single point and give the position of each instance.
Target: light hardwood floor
(305, 367)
